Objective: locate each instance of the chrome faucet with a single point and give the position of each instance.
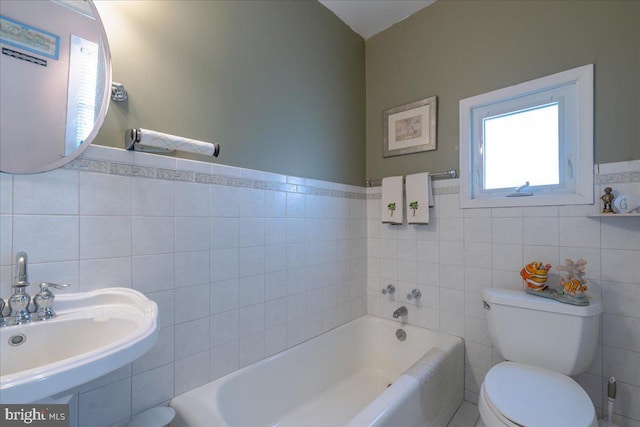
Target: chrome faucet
(414, 294)
(43, 300)
(22, 278)
(390, 289)
(402, 311)
(2, 319)
(19, 301)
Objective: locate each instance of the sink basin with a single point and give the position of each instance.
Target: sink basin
(93, 334)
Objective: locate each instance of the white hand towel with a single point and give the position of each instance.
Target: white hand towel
(419, 198)
(392, 203)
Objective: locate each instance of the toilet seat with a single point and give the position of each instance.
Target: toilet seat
(516, 394)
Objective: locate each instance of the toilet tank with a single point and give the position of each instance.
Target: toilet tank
(542, 332)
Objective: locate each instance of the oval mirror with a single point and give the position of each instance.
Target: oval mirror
(55, 80)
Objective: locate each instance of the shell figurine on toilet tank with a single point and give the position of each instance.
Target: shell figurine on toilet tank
(574, 283)
(535, 276)
(572, 289)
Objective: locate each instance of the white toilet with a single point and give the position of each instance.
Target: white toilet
(543, 342)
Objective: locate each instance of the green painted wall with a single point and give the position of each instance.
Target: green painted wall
(457, 49)
(279, 84)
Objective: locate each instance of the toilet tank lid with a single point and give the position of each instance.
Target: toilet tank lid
(522, 299)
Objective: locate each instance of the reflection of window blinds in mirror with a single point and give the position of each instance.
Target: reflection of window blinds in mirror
(81, 101)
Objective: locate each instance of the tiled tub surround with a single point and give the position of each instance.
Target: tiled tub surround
(242, 264)
(461, 252)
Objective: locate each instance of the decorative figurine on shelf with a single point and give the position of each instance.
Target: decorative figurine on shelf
(607, 199)
(535, 276)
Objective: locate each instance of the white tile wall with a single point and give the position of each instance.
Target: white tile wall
(242, 273)
(238, 273)
(461, 252)
(105, 405)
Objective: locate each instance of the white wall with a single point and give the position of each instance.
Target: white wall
(242, 264)
(462, 252)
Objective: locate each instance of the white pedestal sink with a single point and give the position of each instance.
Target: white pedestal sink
(93, 334)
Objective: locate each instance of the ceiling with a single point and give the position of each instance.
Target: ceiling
(369, 17)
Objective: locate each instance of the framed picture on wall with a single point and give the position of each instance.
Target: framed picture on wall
(410, 128)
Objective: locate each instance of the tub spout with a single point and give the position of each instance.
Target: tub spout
(402, 311)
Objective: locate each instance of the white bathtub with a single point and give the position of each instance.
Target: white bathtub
(336, 379)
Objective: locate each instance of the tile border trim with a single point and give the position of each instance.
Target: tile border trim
(86, 164)
(437, 191)
(113, 167)
(617, 178)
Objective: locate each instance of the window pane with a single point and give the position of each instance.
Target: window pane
(521, 146)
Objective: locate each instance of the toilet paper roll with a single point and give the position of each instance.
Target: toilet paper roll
(141, 139)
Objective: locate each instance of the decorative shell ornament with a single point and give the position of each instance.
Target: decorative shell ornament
(574, 283)
(572, 288)
(535, 276)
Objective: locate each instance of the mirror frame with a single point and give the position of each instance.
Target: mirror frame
(104, 107)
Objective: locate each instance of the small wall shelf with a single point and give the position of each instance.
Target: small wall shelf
(615, 215)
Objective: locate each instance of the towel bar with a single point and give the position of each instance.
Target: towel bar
(451, 173)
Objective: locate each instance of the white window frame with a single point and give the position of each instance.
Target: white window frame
(573, 89)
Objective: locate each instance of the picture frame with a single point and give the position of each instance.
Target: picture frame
(410, 128)
(22, 36)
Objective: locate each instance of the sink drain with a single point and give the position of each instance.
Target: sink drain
(17, 339)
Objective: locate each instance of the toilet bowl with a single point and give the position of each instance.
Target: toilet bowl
(543, 342)
(515, 394)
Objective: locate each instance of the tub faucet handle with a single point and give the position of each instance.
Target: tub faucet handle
(414, 294)
(390, 289)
